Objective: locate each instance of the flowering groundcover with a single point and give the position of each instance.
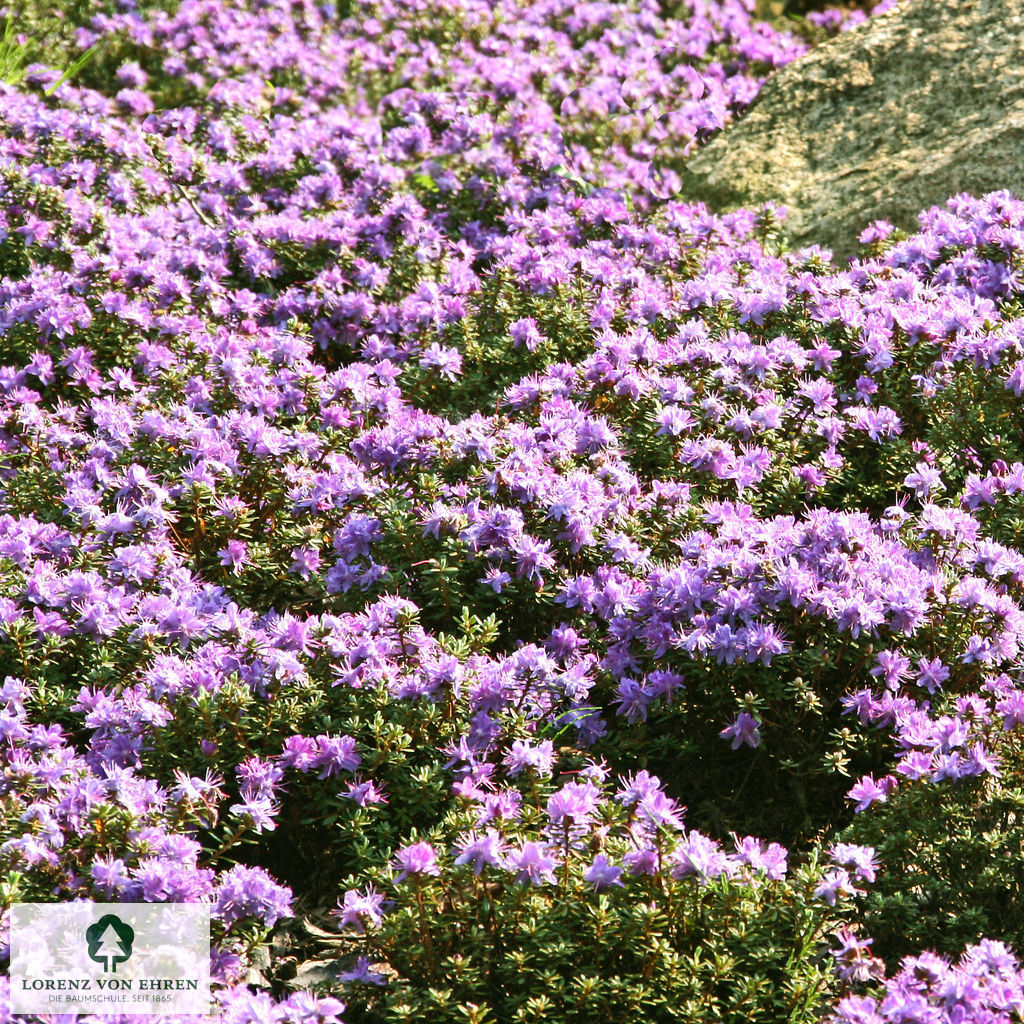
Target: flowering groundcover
(504, 591)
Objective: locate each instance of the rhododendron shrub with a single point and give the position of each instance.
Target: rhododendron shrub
(496, 922)
(524, 851)
(502, 591)
(950, 860)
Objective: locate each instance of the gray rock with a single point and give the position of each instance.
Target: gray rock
(315, 972)
(919, 103)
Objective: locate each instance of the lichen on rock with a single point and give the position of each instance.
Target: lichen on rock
(916, 104)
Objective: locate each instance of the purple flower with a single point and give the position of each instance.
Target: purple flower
(306, 1008)
(636, 787)
(525, 332)
(834, 884)
(417, 859)
(860, 858)
(892, 666)
(110, 876)
(480, 850)
(532, 556)
(876, 231)
(531, 863)
(360, 910)
(924, 480)
(245, 892)
(931, 674)
(364, 971)
(365, 793)
(259, 778)
(867, 791)
(915, 764)
(496, 578)
(701, 856)
(981, 762)
(602, 874)
(657, 810)
(770, 862)
(573, 804)
(299, 752)
(523, 755)
(854, 961)
(335, 754)
(746, 729)
(306, 561)
(1011, 707)
(641, 862)
(502, 806)
(234, 556)
(260, 811)
(447, 361)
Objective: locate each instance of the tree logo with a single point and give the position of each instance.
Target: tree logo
(110, 941)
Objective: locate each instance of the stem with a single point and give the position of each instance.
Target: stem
(565, 853)
(745, 779)
(665, 886)
(226, 845)
(428, 943)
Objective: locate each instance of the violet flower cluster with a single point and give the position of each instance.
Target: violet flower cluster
(389, 463)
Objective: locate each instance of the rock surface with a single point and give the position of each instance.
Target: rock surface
(917, 104)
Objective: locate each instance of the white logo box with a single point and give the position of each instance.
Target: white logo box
(85, 957)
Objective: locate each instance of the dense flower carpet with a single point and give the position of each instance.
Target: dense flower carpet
(504, 591)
